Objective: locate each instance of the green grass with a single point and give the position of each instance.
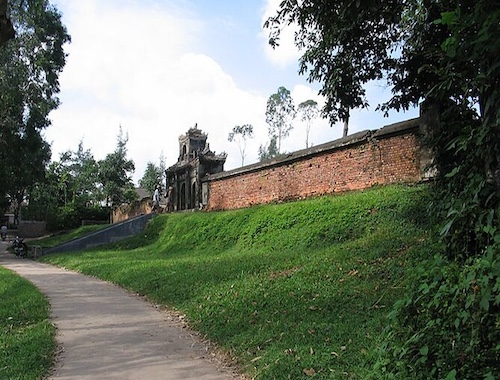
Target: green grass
(27, 338)
(291, 290)
(64, 236)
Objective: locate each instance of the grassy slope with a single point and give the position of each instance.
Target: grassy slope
(292, 290)
(63, 237)
(26, 335)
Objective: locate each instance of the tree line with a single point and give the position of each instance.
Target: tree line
(77, 186)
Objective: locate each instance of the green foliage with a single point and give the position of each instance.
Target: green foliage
(448, 325)
(445, 53)
(68, 194)
(115, 173)
(29, 68)
(61, 237)
(289, 289)
(153, 176)
(6, 28)
(71, 216)
(326, 34)
(269, 151)
(280, 112)
(27, 337)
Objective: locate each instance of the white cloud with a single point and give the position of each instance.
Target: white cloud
(286, 53)
(137, 67)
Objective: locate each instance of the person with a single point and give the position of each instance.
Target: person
(156, 198)
(4, 231)
(170, 199)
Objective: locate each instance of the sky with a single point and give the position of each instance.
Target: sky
(155, 68)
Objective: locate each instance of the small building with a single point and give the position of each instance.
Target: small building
(183, 179)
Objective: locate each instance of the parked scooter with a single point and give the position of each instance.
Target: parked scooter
(20, 247)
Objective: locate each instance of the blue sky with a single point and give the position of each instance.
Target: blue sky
(156, 68)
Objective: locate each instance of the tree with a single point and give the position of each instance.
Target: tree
(346, 44)
(308, 111)
(444, 53)
(69, 192)
(29, 69)
(280, 112)
(153, 175)
(115, 174)
(85, 172)
(240, 135)
(6, 28)
(269, 151)
(151, 178)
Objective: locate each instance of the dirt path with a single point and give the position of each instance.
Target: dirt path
(106, 333)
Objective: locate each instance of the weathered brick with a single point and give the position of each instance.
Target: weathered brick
(389, 155)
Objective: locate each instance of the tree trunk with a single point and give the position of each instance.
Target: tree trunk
(6, 28)
(346, 124)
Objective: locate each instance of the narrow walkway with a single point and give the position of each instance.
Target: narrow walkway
(106, 333)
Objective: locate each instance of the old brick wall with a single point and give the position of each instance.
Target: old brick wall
(128, 211)
(389, 155)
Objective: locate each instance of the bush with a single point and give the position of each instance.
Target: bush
(71, 216)
(447, 327)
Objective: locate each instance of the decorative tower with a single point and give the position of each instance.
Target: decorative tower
(195, 161)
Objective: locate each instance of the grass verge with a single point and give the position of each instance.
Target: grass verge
(26, 334)
(64, 236)
(293, 290)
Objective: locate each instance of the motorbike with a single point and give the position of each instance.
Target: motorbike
(20, 247)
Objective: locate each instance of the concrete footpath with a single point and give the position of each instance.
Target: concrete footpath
(104, 332)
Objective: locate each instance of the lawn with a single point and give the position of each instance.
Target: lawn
(27, 337)
(64, 236)
(293, 290)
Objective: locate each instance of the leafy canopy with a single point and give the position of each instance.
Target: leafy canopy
(115, 174)
(30, 65)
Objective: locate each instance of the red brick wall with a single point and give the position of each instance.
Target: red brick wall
(389, 155)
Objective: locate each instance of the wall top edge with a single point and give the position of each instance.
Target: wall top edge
(350, 140)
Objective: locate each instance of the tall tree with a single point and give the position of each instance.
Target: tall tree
(79, 172)
(308, 111)
(240, 135)
(29, 68)
(85, 171)
(280, 112)
(115, 174)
